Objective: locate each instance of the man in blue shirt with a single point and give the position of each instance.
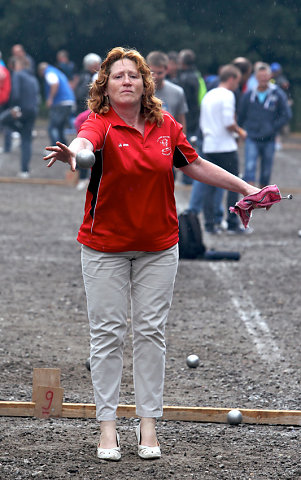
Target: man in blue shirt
(263, 112)
(60, 100)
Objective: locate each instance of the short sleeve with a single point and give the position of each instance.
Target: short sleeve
(184, 153)
(51, 78)
(229, 109)
(94, 130)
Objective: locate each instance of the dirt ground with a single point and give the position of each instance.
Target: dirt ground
(241, 318)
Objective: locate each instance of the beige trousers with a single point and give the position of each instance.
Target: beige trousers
(147, 278)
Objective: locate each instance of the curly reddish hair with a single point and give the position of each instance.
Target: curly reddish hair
(151, 107)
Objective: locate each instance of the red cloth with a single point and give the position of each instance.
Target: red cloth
(265, 198)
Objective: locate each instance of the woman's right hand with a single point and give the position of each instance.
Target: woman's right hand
(61, 152)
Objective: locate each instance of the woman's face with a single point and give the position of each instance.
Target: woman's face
(125, 84)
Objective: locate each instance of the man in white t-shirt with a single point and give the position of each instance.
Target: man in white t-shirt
(220, 132)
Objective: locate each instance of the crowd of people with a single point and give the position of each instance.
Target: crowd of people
(25, 86)
(242, 102)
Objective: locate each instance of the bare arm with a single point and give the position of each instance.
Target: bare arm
(207, 172)
(65, 154)
(240, 131)
(52, 93)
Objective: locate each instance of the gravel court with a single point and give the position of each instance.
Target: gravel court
(43, 323)
(253, 321)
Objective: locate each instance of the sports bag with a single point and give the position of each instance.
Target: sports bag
(190, 236)
(191, 245)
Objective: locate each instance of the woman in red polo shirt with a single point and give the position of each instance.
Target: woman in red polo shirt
(129, 235)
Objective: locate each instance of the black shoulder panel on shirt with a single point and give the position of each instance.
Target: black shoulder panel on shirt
(179, 159)
(96, 175)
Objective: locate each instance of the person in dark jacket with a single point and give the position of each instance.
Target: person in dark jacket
(263, 112)
(189, 80)
(91, 66)
(25, 96)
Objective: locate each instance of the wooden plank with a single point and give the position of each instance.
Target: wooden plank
(189, 414)
(71, 180)
(79, 410)
(36, 181)
(16, 409)
(272, 417)
(219, 415)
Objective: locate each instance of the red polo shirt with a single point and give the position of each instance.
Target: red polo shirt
(130, 203)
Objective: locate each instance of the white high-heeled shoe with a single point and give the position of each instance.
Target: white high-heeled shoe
(112, 454)
(144, 451)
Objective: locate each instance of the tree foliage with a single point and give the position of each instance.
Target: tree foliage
(217, 31)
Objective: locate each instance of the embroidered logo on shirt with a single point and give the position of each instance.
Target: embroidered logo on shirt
(123, 145)
(165, 142)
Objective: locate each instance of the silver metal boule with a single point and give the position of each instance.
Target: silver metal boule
(192, 361)
(234, 417)
(85, 158)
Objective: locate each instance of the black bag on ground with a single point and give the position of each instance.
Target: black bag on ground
(190, 236)
(220, 255)
(191, 245)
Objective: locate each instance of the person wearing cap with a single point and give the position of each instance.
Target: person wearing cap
(278, 77)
